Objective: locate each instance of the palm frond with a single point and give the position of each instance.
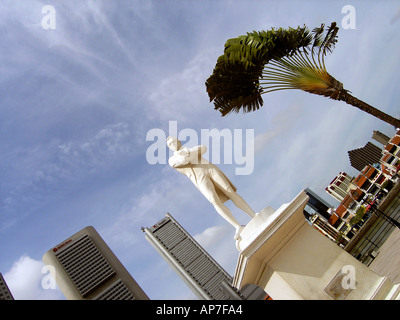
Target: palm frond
(266, 61)
(330, 40)
(235, 82)
(278, 59)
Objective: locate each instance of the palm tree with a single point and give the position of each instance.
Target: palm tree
(267, 61)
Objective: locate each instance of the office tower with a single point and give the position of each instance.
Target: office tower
(367, 155)
(380, 137)
(5, 293)
(203, 275)
(339, 187)
(87, 269)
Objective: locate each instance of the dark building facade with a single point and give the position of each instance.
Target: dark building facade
(317, 205)
(367, 155)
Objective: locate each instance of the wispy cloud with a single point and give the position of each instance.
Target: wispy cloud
(109, 143)
(182, 96)
(39, 169)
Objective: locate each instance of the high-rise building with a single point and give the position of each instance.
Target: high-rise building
(380, 137)
(318, 205)
(86, 269)
(367, 155)
(391, 156)
(201, 273)
(5, 293)
(339, 186)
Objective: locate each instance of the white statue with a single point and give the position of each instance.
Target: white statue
(209, 179)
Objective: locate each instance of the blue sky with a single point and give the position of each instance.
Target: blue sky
(77, 101)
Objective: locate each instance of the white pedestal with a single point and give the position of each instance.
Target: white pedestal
(284, 255)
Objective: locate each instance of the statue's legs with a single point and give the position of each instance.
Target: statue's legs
(240, 202)
(207, 189)
(225, 186)
(225, 213)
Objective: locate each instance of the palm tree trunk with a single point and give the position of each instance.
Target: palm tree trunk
(349, 99)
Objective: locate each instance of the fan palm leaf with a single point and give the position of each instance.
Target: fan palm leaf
(278, 59)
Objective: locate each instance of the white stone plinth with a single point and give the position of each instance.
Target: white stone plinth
(289, 259)
(256, 226)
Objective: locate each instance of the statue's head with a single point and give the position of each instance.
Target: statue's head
(173, 143)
